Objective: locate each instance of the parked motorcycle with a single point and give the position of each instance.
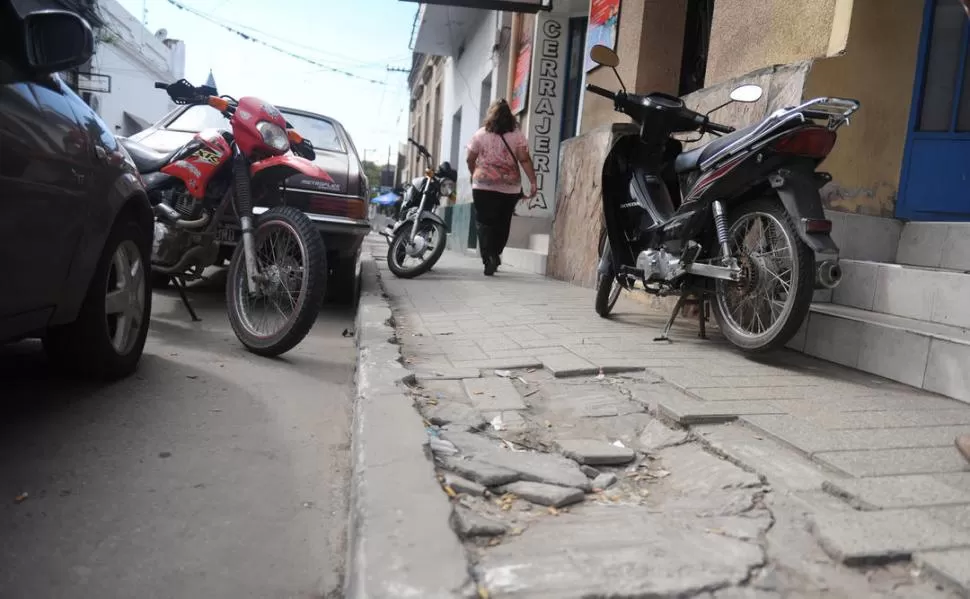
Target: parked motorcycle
(747, 232)
(418, 238)
(277, 275)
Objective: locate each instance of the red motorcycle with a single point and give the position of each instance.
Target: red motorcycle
(277, 275)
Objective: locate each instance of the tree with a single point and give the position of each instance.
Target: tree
(373, 173)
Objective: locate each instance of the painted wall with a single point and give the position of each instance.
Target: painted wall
(135, 59)
(878, 69)
(747, 35)
(650, 41)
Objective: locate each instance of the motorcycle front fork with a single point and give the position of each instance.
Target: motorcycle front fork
(244, 208)
(249, 252)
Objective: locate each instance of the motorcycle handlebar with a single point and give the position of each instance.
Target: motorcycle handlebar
(711, 126)
(161, 85)
(600, 91)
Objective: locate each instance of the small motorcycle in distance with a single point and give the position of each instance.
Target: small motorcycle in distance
(737, 222)
(277, 275)
(417, 240)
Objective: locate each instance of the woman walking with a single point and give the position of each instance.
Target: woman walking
(494, 154)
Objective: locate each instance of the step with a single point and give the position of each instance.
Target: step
(935, 245)
(521, 259)
(926, 355)
(930, 294)
(539, 243)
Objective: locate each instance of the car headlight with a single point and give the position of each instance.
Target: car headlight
(447, 187)
(273, 136)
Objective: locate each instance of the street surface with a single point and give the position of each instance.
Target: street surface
(210, 473)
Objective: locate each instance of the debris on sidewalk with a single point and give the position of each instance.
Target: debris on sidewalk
(469, 524)
(21, 498)
(595, 453)
(544, 494)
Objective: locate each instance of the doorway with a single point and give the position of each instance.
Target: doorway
(935, 181)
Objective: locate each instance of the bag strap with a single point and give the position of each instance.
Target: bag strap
(509, 148)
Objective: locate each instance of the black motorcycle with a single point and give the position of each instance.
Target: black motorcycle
(418, 238)
(737, 222)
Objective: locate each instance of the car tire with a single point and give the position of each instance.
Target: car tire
(343, 286)
(92, 345)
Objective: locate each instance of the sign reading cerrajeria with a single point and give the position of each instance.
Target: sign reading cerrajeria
(546, 101)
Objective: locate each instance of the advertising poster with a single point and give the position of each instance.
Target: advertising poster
(604, 19)
(523, 67)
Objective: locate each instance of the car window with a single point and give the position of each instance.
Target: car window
(197, 118)
(321, 133)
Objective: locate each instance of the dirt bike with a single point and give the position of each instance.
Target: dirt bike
(277, 275)
(747, 231)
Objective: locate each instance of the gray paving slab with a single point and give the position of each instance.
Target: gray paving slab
(462, 485)
(453, 412)
(888, 492)
(544, 494)
(492, 394)
(435, 372)
(481, 472)
(865, 537)
(883, 403)
(686, 410)
(794, 432)
(958, 480)
(567, 365)
(468, 524)
(954, 515)
(656, 435)
(595, 452)
(953, 567)
(887, 462)
(892, 419)
(498, 363)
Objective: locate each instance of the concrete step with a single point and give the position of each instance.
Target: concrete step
(927, 355)
(935, 245)
(522, 259)
(930, 294)
(539, 243)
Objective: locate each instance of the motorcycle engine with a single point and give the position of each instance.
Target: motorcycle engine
(183, 203)
(169, 244)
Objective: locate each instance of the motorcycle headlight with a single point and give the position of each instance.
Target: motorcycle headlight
(273, 136)
(447, 187)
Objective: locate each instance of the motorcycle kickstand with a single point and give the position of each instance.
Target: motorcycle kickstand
(180, 286)
(702, 305)
(670, 322)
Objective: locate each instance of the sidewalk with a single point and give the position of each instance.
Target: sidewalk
(866, 464)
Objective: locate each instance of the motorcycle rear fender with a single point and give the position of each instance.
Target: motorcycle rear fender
(424, 216)
(278, 168)
(799, 195)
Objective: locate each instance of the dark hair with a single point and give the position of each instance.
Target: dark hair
(499, 118)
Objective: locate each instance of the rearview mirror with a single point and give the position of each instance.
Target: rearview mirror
(57, 40)
(603, 56)
(747, 93)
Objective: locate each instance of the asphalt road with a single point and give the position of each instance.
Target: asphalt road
(210, 473)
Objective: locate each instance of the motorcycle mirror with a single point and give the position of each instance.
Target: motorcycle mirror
(747, 93)
(603, 56)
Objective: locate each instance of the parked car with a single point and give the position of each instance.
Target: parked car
(75, 222)
(338, 208)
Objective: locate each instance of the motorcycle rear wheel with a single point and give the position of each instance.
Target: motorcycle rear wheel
(397, 252)
(292, 266)
(777, 276)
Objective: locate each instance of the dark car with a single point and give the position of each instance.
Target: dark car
(75, 223)
(338, 209)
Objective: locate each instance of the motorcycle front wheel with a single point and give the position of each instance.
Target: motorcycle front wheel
(607, 286)
(407, 261)
(764, 309)
(291, 273)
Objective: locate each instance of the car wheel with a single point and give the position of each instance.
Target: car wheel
(108, 337)
(344, 283)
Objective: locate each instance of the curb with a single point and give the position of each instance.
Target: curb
(400, 543)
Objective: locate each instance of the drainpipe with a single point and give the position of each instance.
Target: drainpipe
(513, 53)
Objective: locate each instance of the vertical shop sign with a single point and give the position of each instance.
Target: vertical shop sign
(546, 99)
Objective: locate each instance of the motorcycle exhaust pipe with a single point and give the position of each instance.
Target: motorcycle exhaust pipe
(828, 275)
(172, 216)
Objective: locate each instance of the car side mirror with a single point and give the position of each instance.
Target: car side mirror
(57, 40)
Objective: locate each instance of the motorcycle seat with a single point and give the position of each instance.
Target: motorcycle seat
(689, 161)
(146, 159)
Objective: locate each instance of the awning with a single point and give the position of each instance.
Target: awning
(528, 6)
(443, 29)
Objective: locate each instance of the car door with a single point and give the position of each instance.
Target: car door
(44, 168)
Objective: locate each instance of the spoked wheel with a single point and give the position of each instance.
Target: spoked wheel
(764, 309)
(607, 285)
(290, 283)
(407, 260)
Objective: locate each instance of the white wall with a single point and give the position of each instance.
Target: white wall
(135, 59)
(463, 87)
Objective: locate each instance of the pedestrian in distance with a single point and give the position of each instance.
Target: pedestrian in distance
(494, 154)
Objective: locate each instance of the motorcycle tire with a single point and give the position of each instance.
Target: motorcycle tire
(607, 287)
(88, 346)
(400, 239)
(802, 284)
(314, 285)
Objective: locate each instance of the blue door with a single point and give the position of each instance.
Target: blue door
(935, 182)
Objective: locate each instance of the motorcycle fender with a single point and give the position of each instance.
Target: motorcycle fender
(424, 216)
(799, 195)
(282, 167)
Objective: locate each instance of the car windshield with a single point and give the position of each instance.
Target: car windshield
(321, 133)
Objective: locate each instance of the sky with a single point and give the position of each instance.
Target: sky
(359, 36)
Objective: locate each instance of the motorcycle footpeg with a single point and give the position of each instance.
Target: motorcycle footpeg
(629, 271)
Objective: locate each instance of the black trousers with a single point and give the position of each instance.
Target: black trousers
(493, 213)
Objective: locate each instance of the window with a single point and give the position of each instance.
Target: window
(436, 141)
(942, 86)
(455, 138)
(574, 77)
(322, 134)
(697, 41)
